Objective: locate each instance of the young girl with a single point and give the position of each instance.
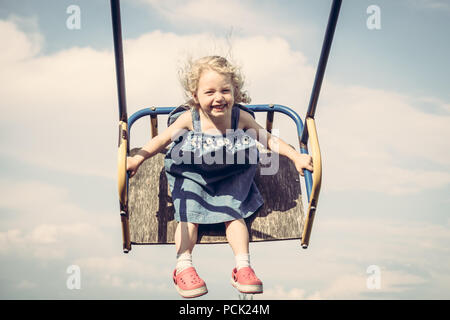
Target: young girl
(219, 192)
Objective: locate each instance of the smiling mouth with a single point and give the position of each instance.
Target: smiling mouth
(221, 107)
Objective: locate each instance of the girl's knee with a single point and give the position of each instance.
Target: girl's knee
(235, 222)
(227, 223)
(193, 226)
(189, 225)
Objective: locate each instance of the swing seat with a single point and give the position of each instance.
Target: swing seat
(146, 207)
(151, 212)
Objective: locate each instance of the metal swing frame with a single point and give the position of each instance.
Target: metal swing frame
(307, 133)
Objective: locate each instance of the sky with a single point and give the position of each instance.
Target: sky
(382, 119)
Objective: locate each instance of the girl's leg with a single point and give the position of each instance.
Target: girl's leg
(243, 277)
(186, 237)
(185, 240)
(187, 281)
(237, 236)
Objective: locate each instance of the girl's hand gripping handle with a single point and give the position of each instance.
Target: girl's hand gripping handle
(303, 161)
(132, 166)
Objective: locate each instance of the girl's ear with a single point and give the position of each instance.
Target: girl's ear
(194, 97)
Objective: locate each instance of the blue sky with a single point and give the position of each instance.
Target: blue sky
(383, 122)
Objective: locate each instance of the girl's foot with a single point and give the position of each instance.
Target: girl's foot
(189, 284)
(246, 281)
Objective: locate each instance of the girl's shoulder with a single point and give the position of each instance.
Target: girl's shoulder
(182, 115)
(246, 118)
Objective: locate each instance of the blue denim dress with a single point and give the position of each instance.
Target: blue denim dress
(211, 177)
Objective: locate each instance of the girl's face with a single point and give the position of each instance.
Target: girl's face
(215, 94)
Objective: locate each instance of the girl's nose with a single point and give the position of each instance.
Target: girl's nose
(219, 97)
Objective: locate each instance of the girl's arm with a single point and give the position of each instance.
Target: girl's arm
(273, 143)
(156, 144)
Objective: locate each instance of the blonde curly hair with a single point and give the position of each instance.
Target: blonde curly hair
(190, 75)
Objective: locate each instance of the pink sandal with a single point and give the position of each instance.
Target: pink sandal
(246, 281)
(189, 284)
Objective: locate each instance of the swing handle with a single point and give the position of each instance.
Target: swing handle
(315, 178)
(310, 127)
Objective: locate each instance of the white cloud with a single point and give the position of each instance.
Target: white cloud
(124, 271)
(24, 45)
(55, 105)
(43, 228)
(46, 241)
(11, 239)
(280, 293)
(432, 4)
(411, 256)
(233, 15)
(378, 141)
(392, 239)
(38, 202)
(354, 286)
(26, 285)
(42, 222)
(407, 253)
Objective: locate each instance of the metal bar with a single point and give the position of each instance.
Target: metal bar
(326, 46)
(148, 112)
(255, 108)
(154, 125)
(118, 53)
(123, 125)
(269, 120)
(310, 127)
